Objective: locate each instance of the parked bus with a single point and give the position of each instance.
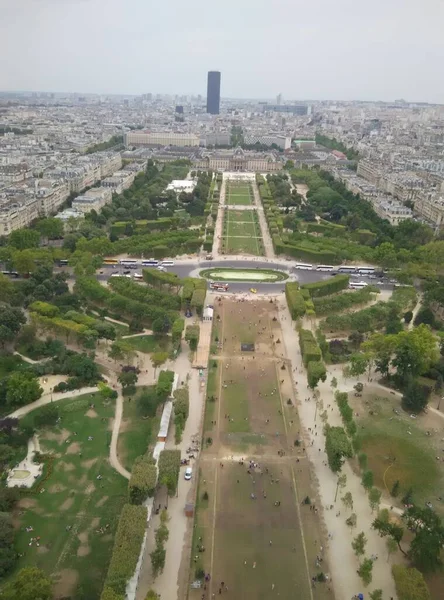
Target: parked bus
(303, 266)
(152, 262)
(357, 285)
(167, 263)
(325, 268)
(219, 287)
(365, 270)
(347, 270)
(130, 263)
(10, 274)
(110, 261)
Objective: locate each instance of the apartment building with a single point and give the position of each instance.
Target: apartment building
(281, 141)
(52, 194)
(14, 173)
(94, 199)
(144, 138)
(430, 206)
(369, 171)
(119, 182)
(18, 212)
(392, 210)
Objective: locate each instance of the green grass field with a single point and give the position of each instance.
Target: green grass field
(136, 432)
(239, 193)
(399, 448)
(75, 516)
(242, 233)
(150, 343)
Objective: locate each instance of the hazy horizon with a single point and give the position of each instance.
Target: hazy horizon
(317, 51)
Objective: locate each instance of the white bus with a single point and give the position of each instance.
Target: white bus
(357, 285)
(303, 266)
(152, 262)
(365, 270)
(167, 263)
(347, 270)
(126, 262)
(325, 268)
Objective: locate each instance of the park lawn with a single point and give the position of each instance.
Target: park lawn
(212, 391)
(395, 454)
(136, 432)
(241, 216)
(240, 199)
(242, 229)
(73, 497)
(244, 245)
(150, 343)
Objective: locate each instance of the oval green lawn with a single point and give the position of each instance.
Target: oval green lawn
(248, 275)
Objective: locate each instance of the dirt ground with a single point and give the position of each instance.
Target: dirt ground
(258, 537)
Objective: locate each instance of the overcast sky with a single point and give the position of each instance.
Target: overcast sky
(305, 49)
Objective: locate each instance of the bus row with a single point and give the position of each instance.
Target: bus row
(351, 270)
(130, 263)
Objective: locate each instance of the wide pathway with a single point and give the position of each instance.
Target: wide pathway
(342, 560)
(179, 526)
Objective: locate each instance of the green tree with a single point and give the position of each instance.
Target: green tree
(365, 571)
(158, 560)
(337, 447)
(347, 499)
(23, 261)
(415, 350)
(374, 497)
(358, 364)
(376, 595)
(341, 483)
(334, 383)
(367, 479)
(428, 530)
(158, 359)
(359, 543)
(127, 379)
(415, 397)
(395, 489)
(22, 239)
(316, 372)
(392, 546)
(22, 388)
(121, 350)
(50, 228)
(161, 325)
(351, 521)
(30, 583)
(387, 529)
(362, 459)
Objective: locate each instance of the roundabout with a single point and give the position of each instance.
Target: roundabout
(244, 275)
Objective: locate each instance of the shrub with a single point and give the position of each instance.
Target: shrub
(126, 550)
(295, 300)
(327, 286)
(142, 483)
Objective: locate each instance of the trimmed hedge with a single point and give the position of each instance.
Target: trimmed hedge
(327, 286)
(142, 483)
(169, 469)
(177, 330)
(309, 348)
(340, 302)
(295, 300)
(198, 300)
(192, 334)
(127, 545)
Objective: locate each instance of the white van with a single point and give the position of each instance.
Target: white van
(188, 473)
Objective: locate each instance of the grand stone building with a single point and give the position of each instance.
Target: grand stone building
(239, 160)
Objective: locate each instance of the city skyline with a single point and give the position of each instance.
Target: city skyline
(322, 51)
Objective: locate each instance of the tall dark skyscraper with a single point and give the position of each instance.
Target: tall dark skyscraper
(213, 92)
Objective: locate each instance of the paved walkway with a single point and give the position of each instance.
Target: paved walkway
(180, 527)
(346, 582)
(49, 397)
(219, 225)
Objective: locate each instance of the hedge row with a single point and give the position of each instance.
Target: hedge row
(169, 469)
(177, 330)
(142, 483)
(181, 411)
(119, 228)
(341, 302)
(192, 334)
(346, 412)
(127, 545)
(190, 285)
(309, 347)
(327, 286)
(295, 300)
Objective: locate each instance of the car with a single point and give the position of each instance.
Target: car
(253, 290)
(127, 272)
(115, 273)
(413, 416)
(188, 473)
